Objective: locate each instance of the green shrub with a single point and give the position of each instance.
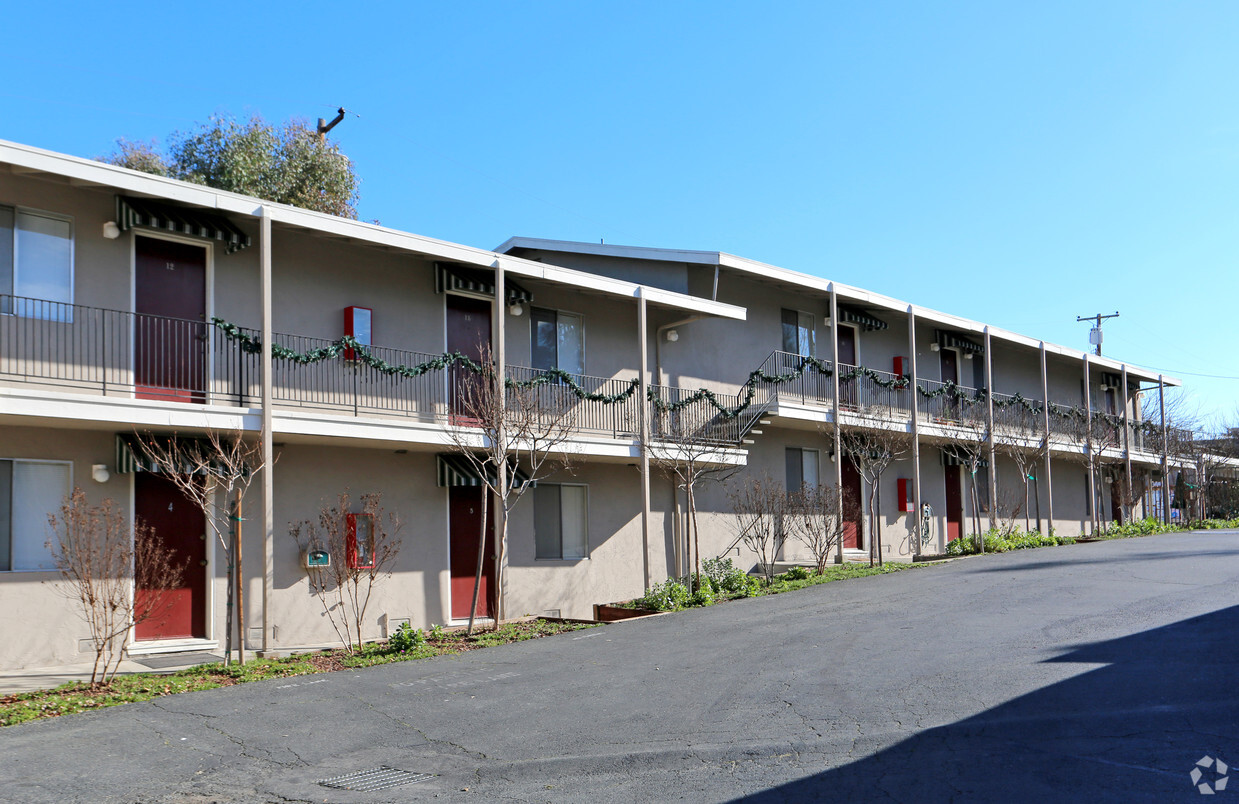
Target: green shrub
(797, 574)
(670, 595)
(406, 639)
(703, 596)
(725, 576)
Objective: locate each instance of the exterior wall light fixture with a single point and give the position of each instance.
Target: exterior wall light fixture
(99, 473)
(672, 336)
(516, 308)
(110, 230)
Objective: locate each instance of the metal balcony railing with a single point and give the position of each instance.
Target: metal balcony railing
(114, 353)
(873, 394)
(351, 386)
(1017, 419)
(700, 422)
(946, 408)
(810, 388)
(556, 401)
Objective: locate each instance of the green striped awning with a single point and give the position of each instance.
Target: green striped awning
(856, 315)
(132, 456)
(457, 470)
(131, 212)
(952, 340)
(462, 279)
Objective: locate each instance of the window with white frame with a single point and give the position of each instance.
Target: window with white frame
(802, 468)
(36, 263)
(556, 340)
(560, 521)
(798, 333)
(29, 492)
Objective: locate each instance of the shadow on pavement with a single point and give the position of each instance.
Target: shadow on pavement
(1130, 731)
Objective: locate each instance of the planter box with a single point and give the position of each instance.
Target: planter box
(609, 612)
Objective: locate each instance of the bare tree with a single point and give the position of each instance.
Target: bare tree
(205, 469)
(362, 547)
(120, 577)
(685, 446)
(760, 506)
(1130, 493)
(968, 438)
(505, 424)
(1010, 506)
(814, 519)
(871, 451)
(1106, 433)
(1022, 438)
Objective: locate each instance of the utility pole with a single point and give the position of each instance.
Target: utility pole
(1094, 336)
(324, 126)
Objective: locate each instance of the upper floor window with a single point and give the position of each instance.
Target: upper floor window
(556, 340)
(29, 492)
(36, 262)
(798, 333)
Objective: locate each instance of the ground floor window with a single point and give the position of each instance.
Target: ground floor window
(801, 468)
(560, 521)
(29, 491)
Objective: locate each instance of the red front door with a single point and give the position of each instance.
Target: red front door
(847, 359)
(954, 503)
(950, 373)
(180, 526)
(468, 332)
(853, 509)
(464, 524)
(170, 332)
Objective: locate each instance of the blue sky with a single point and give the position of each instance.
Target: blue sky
(1017, 163)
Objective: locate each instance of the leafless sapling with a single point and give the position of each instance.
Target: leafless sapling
(363, 546)
(206, 469)
(871, 451)
(759, 505)
(120, 576)
(500, 426)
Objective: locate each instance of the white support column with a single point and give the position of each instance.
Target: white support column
(1088, 445)
(1161, 402)
(917, 536)
(643, 345)
(499, 349)
(989, 424)
(1045, 412)
(1126, 447)
(268, 449)
(834, 385)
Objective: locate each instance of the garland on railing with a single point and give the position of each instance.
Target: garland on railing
(361, 353)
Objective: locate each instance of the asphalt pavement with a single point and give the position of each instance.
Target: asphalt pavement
(1095, 672)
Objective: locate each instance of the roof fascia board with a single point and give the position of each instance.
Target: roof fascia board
(126, 180)
(846, 293)
(604, 250)
(604, 284)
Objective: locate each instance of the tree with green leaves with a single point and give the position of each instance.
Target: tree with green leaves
(288, 164)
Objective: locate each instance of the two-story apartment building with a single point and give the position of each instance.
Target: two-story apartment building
(135, 304)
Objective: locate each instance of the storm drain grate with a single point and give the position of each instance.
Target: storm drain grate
(379, 778)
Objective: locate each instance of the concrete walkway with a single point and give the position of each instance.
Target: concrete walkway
(43, 678)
